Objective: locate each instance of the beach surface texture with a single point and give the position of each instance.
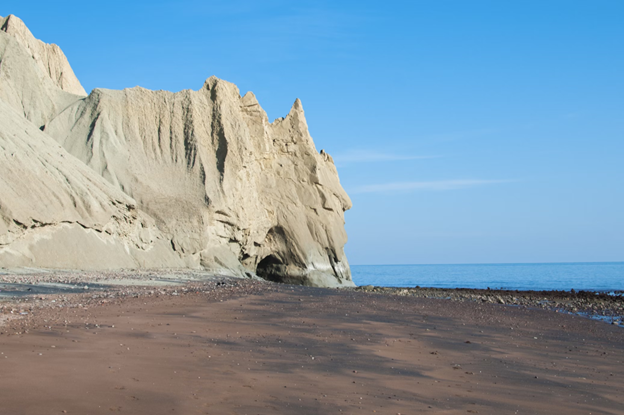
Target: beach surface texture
(223, 345)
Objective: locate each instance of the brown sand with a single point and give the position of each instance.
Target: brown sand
(262, 349)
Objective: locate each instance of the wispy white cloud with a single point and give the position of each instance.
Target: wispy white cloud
(437, 185)
(462, 135)
(368, 156)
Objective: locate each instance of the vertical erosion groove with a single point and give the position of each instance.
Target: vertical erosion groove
(222, 150)
(219, 133)
(190, 145)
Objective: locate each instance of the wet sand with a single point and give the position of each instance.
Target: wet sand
(257, 348)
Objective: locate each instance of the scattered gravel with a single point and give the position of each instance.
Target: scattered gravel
(39, 276)
(23, 293)
(21, 299)
(602, 306)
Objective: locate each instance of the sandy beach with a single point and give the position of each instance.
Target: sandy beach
(250, 347)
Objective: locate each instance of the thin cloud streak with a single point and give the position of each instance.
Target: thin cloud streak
(462, 135)
(438, 185)
(372, 156)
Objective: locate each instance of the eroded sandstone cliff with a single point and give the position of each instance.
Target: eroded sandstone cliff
(35, 78)
(204, 174)
(55, 212)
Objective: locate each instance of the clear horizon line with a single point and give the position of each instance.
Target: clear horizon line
(493, 263)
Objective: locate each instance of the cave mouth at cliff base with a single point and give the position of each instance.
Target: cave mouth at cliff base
(270, 269)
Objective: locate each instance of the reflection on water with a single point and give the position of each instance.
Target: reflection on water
(19, 290)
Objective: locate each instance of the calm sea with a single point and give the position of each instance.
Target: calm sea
(588, 276)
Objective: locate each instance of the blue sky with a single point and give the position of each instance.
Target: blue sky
(464, 131)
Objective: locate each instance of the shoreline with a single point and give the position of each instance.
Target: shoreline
(39, 288)
(591, 304)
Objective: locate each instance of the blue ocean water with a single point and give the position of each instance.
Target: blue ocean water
(587, 276)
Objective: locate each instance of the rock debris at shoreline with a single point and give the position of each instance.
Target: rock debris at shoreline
(591, 304)
(21, 295)
(18, 312)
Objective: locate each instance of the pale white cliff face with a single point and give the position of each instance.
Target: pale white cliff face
(215, 184)
(48, 57)
(56, 212)
(226, 185)
(25, 85)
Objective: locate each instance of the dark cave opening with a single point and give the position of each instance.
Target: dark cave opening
(270, 269)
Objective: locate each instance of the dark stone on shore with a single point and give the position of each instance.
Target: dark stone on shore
(603, 306)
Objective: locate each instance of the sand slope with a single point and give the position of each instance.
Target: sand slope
(56, 212)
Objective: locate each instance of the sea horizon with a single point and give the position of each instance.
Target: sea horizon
(495, 263)
(542, 276)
